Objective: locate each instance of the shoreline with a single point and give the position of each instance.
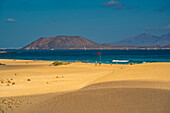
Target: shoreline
(96, 49)
(113, 63)
(3, 52)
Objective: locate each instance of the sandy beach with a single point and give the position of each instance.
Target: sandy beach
(28, 86)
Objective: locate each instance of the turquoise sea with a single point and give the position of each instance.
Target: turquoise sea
(90, 55)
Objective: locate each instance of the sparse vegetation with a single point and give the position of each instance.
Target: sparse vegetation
(57, 63)
(7, 81)
(9, 104)
(2, 64)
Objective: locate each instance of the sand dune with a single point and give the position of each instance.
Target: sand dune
(101, 99)
(113, 100)
(84, 88)
(129, 84)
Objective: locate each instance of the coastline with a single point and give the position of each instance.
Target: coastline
(126, 48)
(115, 48)
(6, 52)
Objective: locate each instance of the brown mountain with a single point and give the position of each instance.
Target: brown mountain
(65, 42)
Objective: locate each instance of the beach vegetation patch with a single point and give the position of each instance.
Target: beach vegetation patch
(57, 63)
(2, 64)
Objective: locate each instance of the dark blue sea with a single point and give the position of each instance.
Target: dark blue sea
(134, 56)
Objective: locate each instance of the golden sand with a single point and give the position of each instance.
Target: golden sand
(36, 87)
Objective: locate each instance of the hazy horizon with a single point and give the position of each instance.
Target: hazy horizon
(105, 21)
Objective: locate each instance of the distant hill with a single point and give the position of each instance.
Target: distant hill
(164, 40)
(65, 42)
(167, 46)
(145, 39)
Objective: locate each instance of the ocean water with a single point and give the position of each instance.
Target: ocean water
(91, 56)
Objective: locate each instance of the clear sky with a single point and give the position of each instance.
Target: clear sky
(102, 21)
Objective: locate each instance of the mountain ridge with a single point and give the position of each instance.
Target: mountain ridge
(78, 42)
(145, 39)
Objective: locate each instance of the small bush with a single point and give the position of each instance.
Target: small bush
(2, 64)
(13, 83)
(57, 63)
(2, 81)
(9, 81)
(28, 79)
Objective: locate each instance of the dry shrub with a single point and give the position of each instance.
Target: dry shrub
(13, 83)
(28, 79)
(2, 64)
(57, 63)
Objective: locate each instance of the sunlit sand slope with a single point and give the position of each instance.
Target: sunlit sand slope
(103, 98)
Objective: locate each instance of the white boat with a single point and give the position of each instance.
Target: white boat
(100, 48)
(120, 60)
(84, 48)
(52, 49)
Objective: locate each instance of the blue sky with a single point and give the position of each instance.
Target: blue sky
(102, 21)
